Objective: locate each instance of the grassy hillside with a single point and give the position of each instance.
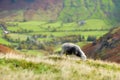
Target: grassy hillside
(66, 10)
(77, 10)
(17, 67)
(106, 47)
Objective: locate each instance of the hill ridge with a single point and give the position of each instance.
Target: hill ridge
(67, 10)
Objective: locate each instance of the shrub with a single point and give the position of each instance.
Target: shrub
(91, 38)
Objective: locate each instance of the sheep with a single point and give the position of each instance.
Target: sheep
(70, 48)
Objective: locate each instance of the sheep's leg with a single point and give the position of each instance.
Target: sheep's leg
(62, 52)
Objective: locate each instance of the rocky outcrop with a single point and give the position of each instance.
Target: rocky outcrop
(106, 48)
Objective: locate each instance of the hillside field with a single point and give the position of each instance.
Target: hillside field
(52, 33)
(53, 67)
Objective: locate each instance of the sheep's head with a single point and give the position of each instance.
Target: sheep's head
(83, 57)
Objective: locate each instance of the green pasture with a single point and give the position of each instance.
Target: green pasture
(67, 33)
(58, 34)
(58, 29)
(54, 30)
(94, 33)
(96, 24)
(39, 26)
(3, 41)
(18, 36)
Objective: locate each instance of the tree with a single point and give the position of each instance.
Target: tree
(91, 38)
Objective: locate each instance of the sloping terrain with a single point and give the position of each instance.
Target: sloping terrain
(105, 48)
(6, 50)
(19, 10)
(65, 10)
(16, 67)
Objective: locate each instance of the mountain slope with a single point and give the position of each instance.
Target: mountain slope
(19, 10)
(65, 10)
(105, 48)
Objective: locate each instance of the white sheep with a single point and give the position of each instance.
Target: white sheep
(70, 48)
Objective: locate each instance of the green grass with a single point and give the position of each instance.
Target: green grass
(17, 67)
(94, 33)
(81, 44)
(22, 64)
(95, 24)
(84, 9)
(32, 52)
(54, 30)
(3, 41)
(61, 29)
(18, 36)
